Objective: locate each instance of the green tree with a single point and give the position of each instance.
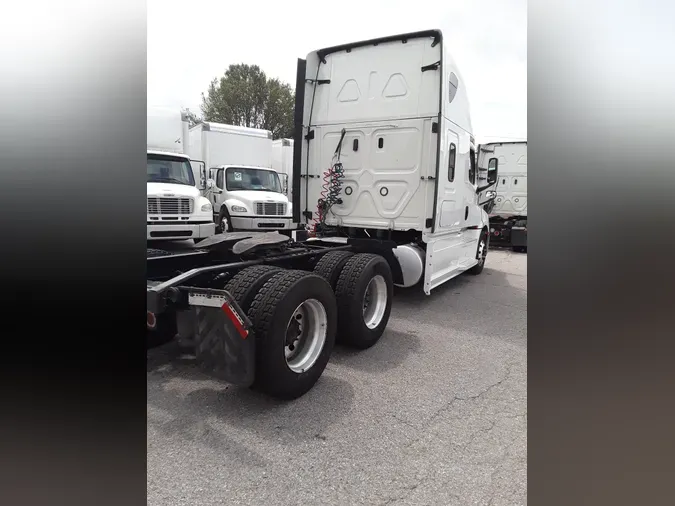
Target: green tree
(244, 96)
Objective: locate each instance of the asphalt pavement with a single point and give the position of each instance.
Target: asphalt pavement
(434, 414)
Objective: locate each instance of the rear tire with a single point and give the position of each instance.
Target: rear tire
(291, 351)
(245, 284)
(165, 330)
(331, 264)
(364, 293)
(481, 254)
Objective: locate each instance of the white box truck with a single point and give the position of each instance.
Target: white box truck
(246, 194)
(175, 208)
(508, 212)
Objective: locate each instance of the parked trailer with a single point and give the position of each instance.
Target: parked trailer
(264, 310)
(508, 212)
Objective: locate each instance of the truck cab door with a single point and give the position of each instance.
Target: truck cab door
(472, 217)
(445, 244)
(218, 194)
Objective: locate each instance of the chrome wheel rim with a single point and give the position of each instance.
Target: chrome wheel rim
(305, 335)
(375, 302)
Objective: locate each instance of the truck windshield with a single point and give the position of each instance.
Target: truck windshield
(244, 178)
(168, 169)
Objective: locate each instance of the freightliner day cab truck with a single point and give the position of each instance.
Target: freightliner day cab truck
(175, 208)
(246, 193)
(508, 212)
(385, 175)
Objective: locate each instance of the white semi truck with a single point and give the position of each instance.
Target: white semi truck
(385, 174)
(387, 152)
(246, 193)
(175, 208)
(508, 212)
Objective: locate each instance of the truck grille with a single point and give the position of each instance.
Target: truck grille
(270, 208)
(170, 205)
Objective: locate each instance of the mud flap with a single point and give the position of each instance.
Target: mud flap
(519, 237)
(223, 345)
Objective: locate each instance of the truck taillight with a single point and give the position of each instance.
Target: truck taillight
(235, 319)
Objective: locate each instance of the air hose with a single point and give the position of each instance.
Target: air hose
(331, 187)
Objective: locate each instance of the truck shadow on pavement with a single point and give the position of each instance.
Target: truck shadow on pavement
(390, 352)
(185, 403)
(492, 305)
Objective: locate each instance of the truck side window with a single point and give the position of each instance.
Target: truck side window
(452, 157)
(472, 169)
(219, 179)
(452, 88)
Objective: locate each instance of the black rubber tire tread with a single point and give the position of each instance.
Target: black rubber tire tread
(224, 213)
(154, 252)
(272, 307)
(478, 268)
(331, 264)
(165, 330)
(246, 283)
(349, 292)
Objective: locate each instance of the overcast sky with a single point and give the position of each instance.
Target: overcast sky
(191, 42)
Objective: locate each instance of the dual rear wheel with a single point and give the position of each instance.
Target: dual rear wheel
(297, 316)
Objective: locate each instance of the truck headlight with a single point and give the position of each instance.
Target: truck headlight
(239, 209)
(207, 208)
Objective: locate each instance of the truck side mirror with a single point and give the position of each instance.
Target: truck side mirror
(202, 173)
(492, 171)
(492, 175)
(211, 185)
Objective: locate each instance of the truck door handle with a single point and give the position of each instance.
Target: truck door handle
(466, 212)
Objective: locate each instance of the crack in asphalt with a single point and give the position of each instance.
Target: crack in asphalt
(406, 491)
